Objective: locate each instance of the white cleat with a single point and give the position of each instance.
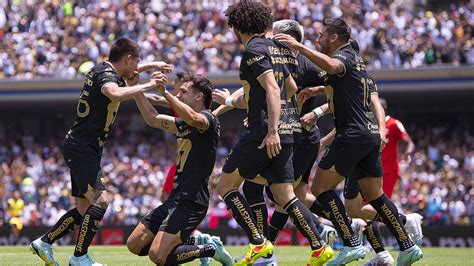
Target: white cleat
(382, 258)
(329, 235)
(84, 260)
(44, 251)
(358, 226)
(413, 227)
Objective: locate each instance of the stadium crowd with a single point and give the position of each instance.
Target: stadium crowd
(438, 182)
(56, 38)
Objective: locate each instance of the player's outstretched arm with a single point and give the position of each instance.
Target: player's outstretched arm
(152, 117)
(185, 112)
(156, 100)
(156, 65)
(330, 65)
(272, 140)
(379, 114)
(118, 94)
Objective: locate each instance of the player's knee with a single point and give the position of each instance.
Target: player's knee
(156, 257)
(102, 203)
(133, 245)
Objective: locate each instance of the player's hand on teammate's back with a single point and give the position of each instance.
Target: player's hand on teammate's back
(272, 142)
(219, 96)
(308, 120)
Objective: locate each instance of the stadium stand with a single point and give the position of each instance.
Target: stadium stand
(56, 38)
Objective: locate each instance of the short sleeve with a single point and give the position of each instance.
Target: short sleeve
(258, 59)
(211, 119)
(342, 56)
(401, 132)
(106, 77)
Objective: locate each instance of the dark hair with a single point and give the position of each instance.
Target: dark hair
(354, 45)
(338, 26)
(204, 85)
(183, 76)
(123, 47)
(290, 27)
(249, 17)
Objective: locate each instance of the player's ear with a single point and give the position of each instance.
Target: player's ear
(199, 96)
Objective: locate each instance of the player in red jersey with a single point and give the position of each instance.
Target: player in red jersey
(395, 133)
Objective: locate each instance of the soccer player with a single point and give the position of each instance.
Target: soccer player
(163, 234)
(396, 133)
(104, 88)
(356, 148)
(161, 101)
(263, 74)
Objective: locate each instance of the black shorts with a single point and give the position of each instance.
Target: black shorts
(85, 170)
(175, 217)
(304, 156)
(250, 161)
(360, 160)
(351, 187)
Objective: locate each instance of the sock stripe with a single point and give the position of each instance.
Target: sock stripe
(258, 204)
(293, 200)
(229, 192)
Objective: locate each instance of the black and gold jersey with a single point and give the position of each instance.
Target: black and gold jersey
(95, 111)
(307, 74)
(260, 56)
(348, 96)
(195, 160)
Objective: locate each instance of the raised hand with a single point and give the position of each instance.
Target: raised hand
(219, 96)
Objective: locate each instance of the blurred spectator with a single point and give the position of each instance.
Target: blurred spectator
(15, 217)
(54, 38)
(438, 182)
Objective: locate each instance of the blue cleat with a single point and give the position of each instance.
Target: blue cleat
(84, 260)
(348, 254)
(409, 256)
(204, 239)
(221, 255)
(44, 251)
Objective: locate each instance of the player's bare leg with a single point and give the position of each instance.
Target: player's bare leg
(139, 241)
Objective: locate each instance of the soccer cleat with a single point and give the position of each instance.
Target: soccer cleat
(413, 227)
(221, 255)
(358, 226)
(382, 258)
(204, 239)
(409, 256)
(84, 260)
(254, 252)
(329, 235)
(266, 261)
(320, 256)
(44, 251)
(348, 254)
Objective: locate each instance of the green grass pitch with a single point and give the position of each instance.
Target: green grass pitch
(119, 255)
